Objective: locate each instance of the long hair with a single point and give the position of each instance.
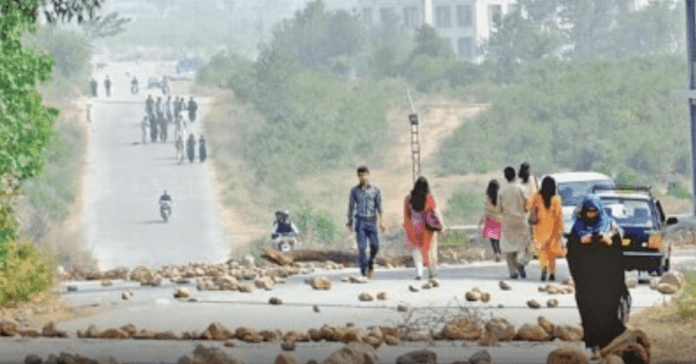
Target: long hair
(492, 191)
(419, 193)
(524, 172)
(548, 190)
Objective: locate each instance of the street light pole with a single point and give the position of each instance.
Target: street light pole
(691, 58)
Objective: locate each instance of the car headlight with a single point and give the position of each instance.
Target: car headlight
(655, 240)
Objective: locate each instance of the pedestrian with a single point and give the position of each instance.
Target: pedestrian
(150, 107)
(419, 213)
(168, 109)
(93, 85)
(164, 127)
(490, 222)
(159, 109)
(529, 186)
(192, 108)
(547, 218)
(177, 107)
(144, 125)
(512, 206)
(202, 152)
(365, 210)
(595, 260)
(191, 148)
(107, 86)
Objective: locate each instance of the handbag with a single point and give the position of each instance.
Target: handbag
(432, 223)
(533, 217)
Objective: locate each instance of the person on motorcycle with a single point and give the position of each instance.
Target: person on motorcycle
(165, 203)
(284, 231)
(134, 85)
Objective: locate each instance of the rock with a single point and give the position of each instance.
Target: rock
(382, 296)
(126, 295)
(32, 359)
(568, 281)
(533, 304)
(71, 288)
(316, 308)
(544, 322)
(354, 353)
(50, 330)
(674, 278)
(365, 297)
(246, 287)
(413, 288)
(217, 331)
(373, 341)
(320, 282)
(402, 308)
(114, 334)
(107, 283)
(213, 355)
(552, 303)
(391, 340)
(612, 359)
(288, 345)
(29, 332)
(568, 332)
(423, 356)
(504, 286)
(275, 301)
(229, 344)
(567, 356)
(480, 357)
(631, 282)
(463, 327)
(264, 283)
(286, 359)
(8, 327)
(434, 282)
(248, 261)
(271, 335)
(182, 292)
(531, 332)
(473, 296)
(667, 288)
(145, 334)
(426, 286)
(252, 338)
(543, 288)
(357, 279)
(485, 296)
(654, 282)
(499, 329)
(633, 346)
(129, 328)
(166, 335)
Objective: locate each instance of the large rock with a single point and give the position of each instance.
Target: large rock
(567, 356)
(530, 332)
(472, 296)
(505, 286)
(182, 292)
(246, 287)
(8, 327)
(114, 334)
(213, 356)
(480, 357)
(423, 356)
(612, 359)
(50, 330)
(285, 359)
(667, 288)
(320, 282)
(632, 346)
(463, 327)
(533, 304)
(499, 329)
(544, 322)
(354, 353)
(365, 297)
(674, 278)
(568, 332)
(264, 282)
(275, 301)
(217, 331)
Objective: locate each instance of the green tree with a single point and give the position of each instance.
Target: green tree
(429, 43)
(108, 26)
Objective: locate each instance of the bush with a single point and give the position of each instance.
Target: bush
(24, 272)
(317, 225)
(686, 302)
(464, 207)
(454, 239)
(679, 191)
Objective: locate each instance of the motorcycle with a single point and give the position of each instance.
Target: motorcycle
(165, 210)
(284, 242)
(134, 89)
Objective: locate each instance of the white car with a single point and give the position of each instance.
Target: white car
(571, 186)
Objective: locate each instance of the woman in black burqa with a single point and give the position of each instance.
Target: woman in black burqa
(596, 265)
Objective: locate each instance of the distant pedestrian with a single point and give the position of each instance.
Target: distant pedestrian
(595, 260)
(529, 186)
(515, 235)
(107, 86)
(144, 125)
(191, 148)
(365, 210)
(546, 208)
(168, 110)
(491, 226)
(192, 109)
(150, 107)
(94, 85)
(419, 217)
(202, 152)
(177, 107)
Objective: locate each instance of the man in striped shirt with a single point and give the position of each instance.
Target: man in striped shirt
(364, 213)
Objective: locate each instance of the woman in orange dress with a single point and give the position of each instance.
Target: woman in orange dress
(421, 240)
(549, 228)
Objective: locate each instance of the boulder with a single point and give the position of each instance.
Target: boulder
(129, 328)
(264, 283)
(8, 327)
(472, 296)
(286, 359)
(354, 353)
(217, 331)
(271, 335)
(373, 341)
(633, 346)
(50, 330)
(32, 359)
(499, 329)
(568, 332)
(245, 287)
(413, 288)
(365, 297)
(316, 308)
(252, 338)
(249, 261)
(485, 296)
(631, 282)
(532, 332)
(320, 282)
(391, 340)
(533, 304)
(552, 303)
(126, 295)
(402, 307)
(674, 278)
(667, 288)
(182, 292)
(544, 322)
(480, 357)
(213, 355)
(423, 356)
(567, 356)
(612, 359)
(654, 282)
(382, 296)
(463, 327)
(288, 345)
(275, 301)
(114, 334)
(505, 286)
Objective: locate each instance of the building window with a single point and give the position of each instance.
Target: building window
(443, 17)
(495, 15)
(385, 14)
(464, 47)
(367, 15)
(464, 16)
(411, 17)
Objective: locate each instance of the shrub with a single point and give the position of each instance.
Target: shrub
(24, 272)
(679, 191)
(317, 225)
(464, 207)
(686, 302)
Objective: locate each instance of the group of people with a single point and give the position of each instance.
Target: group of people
(190, 148)
(94, 86)
(159, 114)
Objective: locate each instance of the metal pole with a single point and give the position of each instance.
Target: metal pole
(691, 48)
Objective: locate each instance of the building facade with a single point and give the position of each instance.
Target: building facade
(464, 24)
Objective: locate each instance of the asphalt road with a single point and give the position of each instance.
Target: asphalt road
(126, 178)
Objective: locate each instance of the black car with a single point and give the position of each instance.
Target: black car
(643, 221)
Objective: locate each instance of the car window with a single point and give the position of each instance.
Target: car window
(629, 212)
(571, 192)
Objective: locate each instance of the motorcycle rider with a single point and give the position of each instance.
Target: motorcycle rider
(165, 203)
(283, 230)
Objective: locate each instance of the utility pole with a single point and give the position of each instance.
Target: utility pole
(691, 58)
(415, 141)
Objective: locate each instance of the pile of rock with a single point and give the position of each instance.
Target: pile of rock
(632, 346)
(477, 294)
(467, 327)
(554, 289)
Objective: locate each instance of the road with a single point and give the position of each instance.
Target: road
(126, 177)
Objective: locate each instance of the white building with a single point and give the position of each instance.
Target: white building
(463, 23)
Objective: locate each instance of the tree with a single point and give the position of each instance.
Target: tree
(107, 26)
(429, 43)
(26, 125)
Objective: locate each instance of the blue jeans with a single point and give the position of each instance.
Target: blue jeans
(366, 230)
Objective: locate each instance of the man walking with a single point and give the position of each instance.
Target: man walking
(192, 108)
(515, 236)
(107, 86)
(365, 210)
